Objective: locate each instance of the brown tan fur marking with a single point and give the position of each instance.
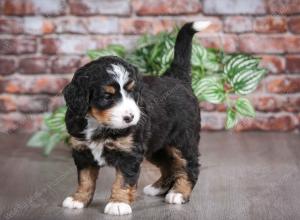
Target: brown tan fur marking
(86, 185)
(121, 192)
(130, 86)
(166, 178)
(102, 116)
(110, 89)
(182, 184)
(122, 143)
(78, 145)
(173, 171)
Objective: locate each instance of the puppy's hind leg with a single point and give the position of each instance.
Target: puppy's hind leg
(163, 161)
(185, 173)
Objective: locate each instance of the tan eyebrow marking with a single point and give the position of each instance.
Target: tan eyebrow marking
(130, 85)
(110, 89)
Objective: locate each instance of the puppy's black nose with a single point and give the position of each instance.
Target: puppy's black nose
(128, 118)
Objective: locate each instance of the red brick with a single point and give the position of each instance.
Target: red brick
(31, 7)
(7, 103)
(48, 27)
(226, 42)
(70, 45)
(283, 7)
(84, 60)
(143, 26)
(1, 8)
(270, 24)
(17, 123)
(167, 24)
(293, 64)
(284, 85)
(129, 41)
(17, 45)
(267, 103)
(105, 7)
(234, 7)
(238, 24)
(260, 87)
(292, 104)
(268, 123)
(251, 43)
(56, 102)
(33, 85)
(33, 104)
(275, 64)
(221, 107)
(38, 26)
(135, 26)
(171, 7)
(7, 66)
(50, 45)
(65, 64)
(72, 25)
(102, 25)
(65, 60)
(11, 25)
(33, 65)
(294, 24)
(292, 44)
(212, 121)
(17, 7)
(207, 106)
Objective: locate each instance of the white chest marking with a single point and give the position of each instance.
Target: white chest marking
(97, 149)
(92, 126)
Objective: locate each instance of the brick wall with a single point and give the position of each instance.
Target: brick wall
(42, 42)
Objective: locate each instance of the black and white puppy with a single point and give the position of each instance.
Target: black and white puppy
(117, 117)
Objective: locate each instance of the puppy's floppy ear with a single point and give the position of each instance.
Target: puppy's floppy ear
(76, 95)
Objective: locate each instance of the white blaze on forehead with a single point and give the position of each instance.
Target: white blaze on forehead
(120, 74)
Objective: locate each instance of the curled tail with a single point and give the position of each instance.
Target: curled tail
(181, 66)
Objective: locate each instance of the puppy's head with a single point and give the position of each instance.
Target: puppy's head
(108, 90)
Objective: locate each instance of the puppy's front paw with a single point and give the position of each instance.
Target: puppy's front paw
(70, 203)
(174, 198)
(117, 208)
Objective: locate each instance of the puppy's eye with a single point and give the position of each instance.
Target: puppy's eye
(108, 96)
(129, 87)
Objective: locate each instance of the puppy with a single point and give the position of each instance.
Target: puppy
(116, 117)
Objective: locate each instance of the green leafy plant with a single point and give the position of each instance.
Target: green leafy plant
(216, 78)
(53, 133)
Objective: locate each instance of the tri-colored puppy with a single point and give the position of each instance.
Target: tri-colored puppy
(116, 117)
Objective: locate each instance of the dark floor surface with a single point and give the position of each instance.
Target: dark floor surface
(243, 176)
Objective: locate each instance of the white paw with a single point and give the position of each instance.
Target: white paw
(153, 191)
(117, 208)
(70, 203)
(174, 198)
